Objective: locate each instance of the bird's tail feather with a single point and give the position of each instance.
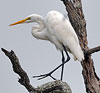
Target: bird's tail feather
(77, 52)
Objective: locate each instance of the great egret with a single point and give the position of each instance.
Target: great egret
(59, 31)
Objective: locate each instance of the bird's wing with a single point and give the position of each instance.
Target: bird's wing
(65, 33)
(61, 28)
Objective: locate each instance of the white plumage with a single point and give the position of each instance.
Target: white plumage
(56, 29)
(62, 32)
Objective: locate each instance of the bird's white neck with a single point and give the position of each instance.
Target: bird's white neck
(41, 24)
(39, 30)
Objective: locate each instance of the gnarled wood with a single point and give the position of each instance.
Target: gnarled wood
(50, 87)
(24, 79)
(93, 50)
(76, 17)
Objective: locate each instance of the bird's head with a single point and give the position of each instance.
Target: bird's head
(28, 19)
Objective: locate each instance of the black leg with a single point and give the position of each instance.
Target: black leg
(68, 58)
(63, 60)
(49, 74)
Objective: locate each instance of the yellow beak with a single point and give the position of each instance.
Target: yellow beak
(21, 21)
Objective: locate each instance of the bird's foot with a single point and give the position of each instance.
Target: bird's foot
(44, 76)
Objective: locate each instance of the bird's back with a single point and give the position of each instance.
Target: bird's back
(60, 26)
(62, 30)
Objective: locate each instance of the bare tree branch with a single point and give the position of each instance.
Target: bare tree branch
(76, 17)
(55, 87)
(51, 87)
(93, 50)
(23, 80)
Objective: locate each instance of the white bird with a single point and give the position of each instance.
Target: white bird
(59, 31)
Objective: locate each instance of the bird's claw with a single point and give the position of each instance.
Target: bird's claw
(44, 76)
(40, 76)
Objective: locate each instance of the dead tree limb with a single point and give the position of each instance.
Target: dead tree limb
(51, 87)
(93, 50)
(76, 17)
(23, 80)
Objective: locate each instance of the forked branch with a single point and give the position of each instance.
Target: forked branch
(77, 19)
(93, 50)
(50, 87)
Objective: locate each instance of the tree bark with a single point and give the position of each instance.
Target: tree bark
(76, 17)
(50, 87)
(93, 50)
